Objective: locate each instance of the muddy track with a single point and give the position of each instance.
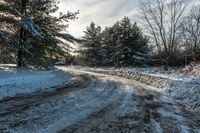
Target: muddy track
(92, 102)
(21, 103)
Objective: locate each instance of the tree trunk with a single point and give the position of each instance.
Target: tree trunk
(19, 58)
(22, 36)
(166, 63)
(194, 56)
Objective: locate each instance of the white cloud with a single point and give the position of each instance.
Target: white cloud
(194, 2)
(102, 12)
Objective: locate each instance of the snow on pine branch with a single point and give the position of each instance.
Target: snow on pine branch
(67, 37)
(27, 24)
(16, 12)
(6, 38)
(31, 27)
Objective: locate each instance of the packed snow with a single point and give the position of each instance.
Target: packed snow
(181, 87)
(13, 82)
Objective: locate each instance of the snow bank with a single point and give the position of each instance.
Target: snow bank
(182, 88)
(24, 81)
(193, 70)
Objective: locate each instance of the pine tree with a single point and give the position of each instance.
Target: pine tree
(15, 25)
(109, 44)
(35, 34)
(132, 40)
(92, 48)
(114, 48)
(124, 41)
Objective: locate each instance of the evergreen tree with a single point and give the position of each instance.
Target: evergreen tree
(92, 47)
(132, 40)
(15, 25)
(109, 44)
(111, 37)
(34, 33)
(55, 42)
(124, 41)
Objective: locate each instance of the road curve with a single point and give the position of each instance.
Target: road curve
(92, 102)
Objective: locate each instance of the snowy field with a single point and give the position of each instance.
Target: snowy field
(22, 81)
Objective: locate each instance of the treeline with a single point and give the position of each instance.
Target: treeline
(32, 34)
(174, 29)
(170, 36)
(122, 44)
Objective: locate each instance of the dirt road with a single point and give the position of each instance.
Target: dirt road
(92, 102)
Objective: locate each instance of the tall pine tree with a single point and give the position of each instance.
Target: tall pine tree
(35, 34)
(133, 41)
(92, 48)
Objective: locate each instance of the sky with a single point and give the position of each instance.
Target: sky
(102, 12)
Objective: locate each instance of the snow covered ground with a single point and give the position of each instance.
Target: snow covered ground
(195, 71)
(95, 102)
(15, 82)
(183, 88)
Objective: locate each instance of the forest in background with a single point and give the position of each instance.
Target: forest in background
(168, 33)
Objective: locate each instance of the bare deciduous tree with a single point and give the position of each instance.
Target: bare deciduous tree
(190, 31)
(161, 19)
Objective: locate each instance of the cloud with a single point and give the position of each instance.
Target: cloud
(102, 12)
(194, 2)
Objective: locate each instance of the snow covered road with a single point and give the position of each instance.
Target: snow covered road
(92, 102)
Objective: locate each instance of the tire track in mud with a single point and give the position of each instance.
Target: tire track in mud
(104, 102)
(92, 119)
(96, 121)
(19, 104)
(150, 118)
(108, 88)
